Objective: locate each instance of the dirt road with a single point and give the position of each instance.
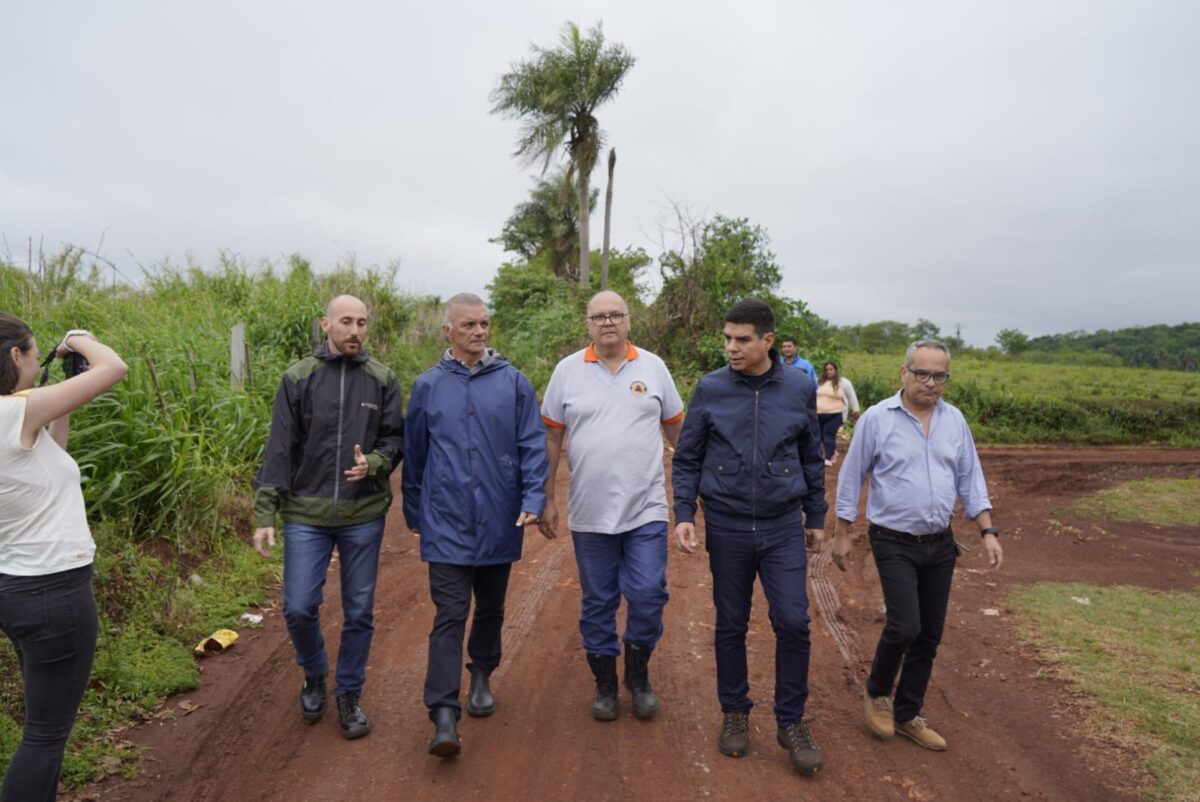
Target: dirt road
(1013, 733)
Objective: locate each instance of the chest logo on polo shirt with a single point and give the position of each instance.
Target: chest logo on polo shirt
(638, 389)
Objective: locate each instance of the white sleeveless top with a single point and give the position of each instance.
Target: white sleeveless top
(43, 523)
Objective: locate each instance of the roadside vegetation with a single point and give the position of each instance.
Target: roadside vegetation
(1135, 653)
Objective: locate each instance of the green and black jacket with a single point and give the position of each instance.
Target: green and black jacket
(326, 404)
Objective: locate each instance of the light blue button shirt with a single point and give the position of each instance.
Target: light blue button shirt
(915, 480)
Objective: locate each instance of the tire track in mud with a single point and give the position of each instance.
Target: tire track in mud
(828, 605)
(518, 625)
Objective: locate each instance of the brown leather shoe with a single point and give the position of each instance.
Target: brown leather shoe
(920, 733)
(878, 710)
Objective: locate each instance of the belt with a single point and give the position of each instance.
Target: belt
(876, 529)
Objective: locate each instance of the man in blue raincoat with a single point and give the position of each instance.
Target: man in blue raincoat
(474, 476)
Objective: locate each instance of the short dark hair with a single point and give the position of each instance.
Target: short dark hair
(13, 332)
(789, 339)
(754, 312)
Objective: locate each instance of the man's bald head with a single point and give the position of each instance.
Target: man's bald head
(345, 324)
(340, 303)
(608, 323)
(607, 301)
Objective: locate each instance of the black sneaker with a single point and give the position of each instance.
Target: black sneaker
(802, 749)
(312, 698)
(735, 733)
(353, 719)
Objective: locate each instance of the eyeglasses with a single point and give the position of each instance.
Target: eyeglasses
(926, 376)
(614, 317)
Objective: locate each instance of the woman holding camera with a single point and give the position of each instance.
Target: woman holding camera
(47, 607)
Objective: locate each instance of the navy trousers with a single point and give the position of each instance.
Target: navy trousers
(779, 560)
(451, 588)
(829, 428)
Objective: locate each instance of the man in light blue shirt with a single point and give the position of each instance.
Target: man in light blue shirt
(921, 457)
(789, 354)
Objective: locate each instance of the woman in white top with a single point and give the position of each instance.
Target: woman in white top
(835, 401)
(47, 607)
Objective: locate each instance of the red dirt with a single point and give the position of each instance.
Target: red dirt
(1013, 732)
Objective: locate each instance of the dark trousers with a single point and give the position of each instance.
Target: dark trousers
(51, 621)
(632, 564)
(307, 550)
(916, 588)
(829, 428)
(779, 560)
(451, 588)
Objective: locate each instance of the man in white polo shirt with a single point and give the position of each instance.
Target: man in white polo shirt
(616, 401)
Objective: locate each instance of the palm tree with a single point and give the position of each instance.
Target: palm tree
(612, 165)
(547, 224)
(556, 94)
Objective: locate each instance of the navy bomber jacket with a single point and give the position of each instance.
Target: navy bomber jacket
(326, 404)
(754, 456)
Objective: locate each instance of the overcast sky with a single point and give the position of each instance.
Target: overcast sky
(1020, 164)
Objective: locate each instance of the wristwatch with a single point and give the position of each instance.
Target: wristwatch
(991, 530)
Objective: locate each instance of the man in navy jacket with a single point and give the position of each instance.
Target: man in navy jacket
(474, 476)
(750, 447)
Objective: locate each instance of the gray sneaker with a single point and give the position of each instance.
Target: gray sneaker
(735, 733)
(802, 749)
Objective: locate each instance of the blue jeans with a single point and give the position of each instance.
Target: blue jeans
(51, 620)
(306, 553)
(778, 558)
(632, 564)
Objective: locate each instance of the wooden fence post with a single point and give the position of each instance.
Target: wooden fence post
(237, 356)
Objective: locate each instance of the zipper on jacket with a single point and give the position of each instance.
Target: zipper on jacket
(754, 471)
(337, 455)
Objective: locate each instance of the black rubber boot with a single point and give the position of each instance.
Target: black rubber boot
(480, 702)
(312, 698)
(352, 718)
(637, 680)
(604, 667)
(445, 741)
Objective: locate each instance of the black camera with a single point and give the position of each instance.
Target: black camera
(73, 363)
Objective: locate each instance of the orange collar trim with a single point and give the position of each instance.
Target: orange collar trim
(590, 355)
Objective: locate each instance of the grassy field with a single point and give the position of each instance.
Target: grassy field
(1064, 382)
(1167, 502)
(1008, 401)
(1136, 654)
